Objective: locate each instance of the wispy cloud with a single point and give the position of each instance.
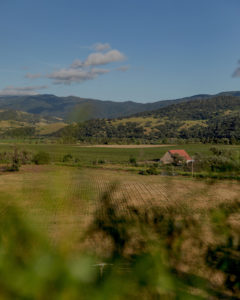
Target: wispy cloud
(83, 70)
(97, 47)
(101, 46)
(99, 58)
(123, 68)
(77, 64)
(70, 75)
(20, 91)
(33, 76)
(236, 73)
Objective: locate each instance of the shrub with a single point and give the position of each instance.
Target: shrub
(25, 157)
(101, 161)
(149, 171)
(41, 158)
(67, 157)
(143, 172)
(178, 160)
(14, 167)
(133, 161)
(15, 161)
(152, 171)
(5, 157)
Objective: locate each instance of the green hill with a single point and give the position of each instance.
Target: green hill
(202, 118)
(18, 123)
(199, 109)
(215, 119)
(79, 109)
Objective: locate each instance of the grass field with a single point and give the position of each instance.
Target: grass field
(77, 214)
(87, 155)
(62, 200)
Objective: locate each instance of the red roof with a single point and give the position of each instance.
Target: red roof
(181, 153)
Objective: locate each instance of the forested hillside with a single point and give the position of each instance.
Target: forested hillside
(199, 109)
(76, 109)
(206, 120)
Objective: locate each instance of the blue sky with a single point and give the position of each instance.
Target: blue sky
(119, 50)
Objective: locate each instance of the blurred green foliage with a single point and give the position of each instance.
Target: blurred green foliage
(41, 158)
(139, 254)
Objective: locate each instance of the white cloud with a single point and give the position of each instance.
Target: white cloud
(101, 46)
(77, 64)
(99, 58)
(20, 91)
(71, 75)
(80, 71)
(33, 76)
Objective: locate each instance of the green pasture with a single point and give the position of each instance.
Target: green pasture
(87, 155)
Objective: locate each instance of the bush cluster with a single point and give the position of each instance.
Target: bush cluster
(150, 171)
(15, 158)
(41, 158)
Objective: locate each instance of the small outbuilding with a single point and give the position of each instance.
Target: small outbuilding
(170, 156)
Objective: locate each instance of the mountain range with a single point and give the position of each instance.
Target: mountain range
(201, 116)
(214, 119)
(74, 109)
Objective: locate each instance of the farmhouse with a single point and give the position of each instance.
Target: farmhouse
(169, 156)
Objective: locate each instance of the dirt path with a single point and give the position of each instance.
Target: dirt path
(126, 146)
